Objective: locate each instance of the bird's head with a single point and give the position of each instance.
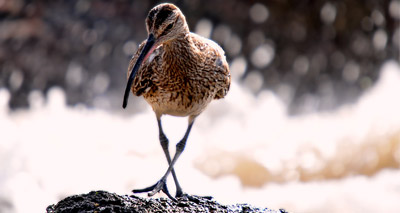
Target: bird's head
(164, 23)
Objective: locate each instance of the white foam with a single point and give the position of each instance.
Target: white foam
(244, 148)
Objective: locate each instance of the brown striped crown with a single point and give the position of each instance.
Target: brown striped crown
(166, 20)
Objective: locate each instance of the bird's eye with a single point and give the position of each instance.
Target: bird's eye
(169, 26)
(167, 29)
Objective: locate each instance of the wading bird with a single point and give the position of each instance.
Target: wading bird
(178, 73)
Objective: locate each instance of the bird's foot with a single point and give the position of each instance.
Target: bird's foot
(154, 189)
(194, 198)
(179, 192)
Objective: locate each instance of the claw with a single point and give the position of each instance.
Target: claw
(150, 188)
(157, 187)
(165, 190)
(195, 198)
(154, 189)
(179, 193)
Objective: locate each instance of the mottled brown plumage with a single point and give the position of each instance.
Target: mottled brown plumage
(182, 75)
(178, 73)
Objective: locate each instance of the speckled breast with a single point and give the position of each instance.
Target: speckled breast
(179, 100)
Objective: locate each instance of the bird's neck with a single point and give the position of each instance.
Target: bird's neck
(179, 50)
(180, 42)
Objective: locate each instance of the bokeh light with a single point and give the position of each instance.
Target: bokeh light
(311, 122)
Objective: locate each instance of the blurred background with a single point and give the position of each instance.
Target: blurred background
(311, 123)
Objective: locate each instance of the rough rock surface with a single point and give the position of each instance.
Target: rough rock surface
(102, 201)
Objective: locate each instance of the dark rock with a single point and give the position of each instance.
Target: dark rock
(102, 201)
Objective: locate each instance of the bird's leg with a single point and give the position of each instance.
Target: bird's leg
(161, 184)
(164, 144)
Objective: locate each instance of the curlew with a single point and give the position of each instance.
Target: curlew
(178, 73)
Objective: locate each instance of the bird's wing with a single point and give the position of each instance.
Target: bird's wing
(215, 64)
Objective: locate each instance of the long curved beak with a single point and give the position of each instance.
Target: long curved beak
(147, 47)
